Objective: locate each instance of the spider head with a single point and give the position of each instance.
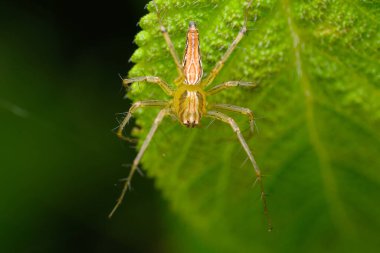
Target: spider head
(189, 105)
(191, 124)
(191, 108)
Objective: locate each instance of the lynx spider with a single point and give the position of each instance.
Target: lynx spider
(188, 103)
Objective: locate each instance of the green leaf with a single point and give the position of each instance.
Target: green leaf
(317, 110)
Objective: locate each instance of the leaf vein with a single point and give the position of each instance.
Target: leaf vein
(329, 182)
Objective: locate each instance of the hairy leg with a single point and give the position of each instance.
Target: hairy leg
(222, 117)
(169, 43)
(141, 152)
(214, 72)
(134, 107)
(150, 79)
(229, 84)
(233, 108)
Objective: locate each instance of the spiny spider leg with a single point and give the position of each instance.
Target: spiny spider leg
(144, 146)
(233, 108)
(222, 117)
(229, 84)
(134, 107)
(169, 43)
(214, 72)
(150, 79)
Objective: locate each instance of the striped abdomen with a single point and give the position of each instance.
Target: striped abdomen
(192, 62)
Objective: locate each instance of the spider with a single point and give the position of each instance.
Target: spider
(188, 101)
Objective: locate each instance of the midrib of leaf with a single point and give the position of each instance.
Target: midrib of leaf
(329, 182)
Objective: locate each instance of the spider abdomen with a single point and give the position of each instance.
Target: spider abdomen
(190, 104)
(192, 62)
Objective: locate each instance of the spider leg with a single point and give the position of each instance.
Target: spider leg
(222, 117)
(233, 108)
(214, 72)
(144, 146)
(229, 84)
(169, 43)
(134, 107)
(150, 79)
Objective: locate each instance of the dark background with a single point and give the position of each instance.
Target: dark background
(60, 160)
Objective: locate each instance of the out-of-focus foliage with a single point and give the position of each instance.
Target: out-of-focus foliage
(317, 110)
(60, 162)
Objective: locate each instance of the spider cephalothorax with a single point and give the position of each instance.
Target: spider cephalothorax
(188, 100)
(189, 104)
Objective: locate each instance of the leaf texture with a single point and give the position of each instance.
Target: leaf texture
(317, 111)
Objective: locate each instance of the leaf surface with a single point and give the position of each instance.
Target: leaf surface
(317, 110)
